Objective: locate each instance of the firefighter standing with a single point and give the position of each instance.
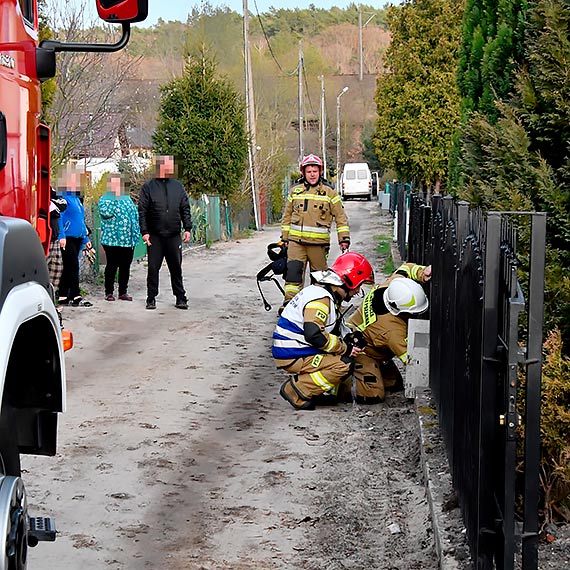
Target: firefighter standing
(382, 318)
(307, 338)
(306, 225)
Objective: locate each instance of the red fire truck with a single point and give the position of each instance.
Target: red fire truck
(32, 344)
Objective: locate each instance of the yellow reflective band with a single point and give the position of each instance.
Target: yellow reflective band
(368, 314)
(311, 197)
(321, 381)
(404, 268)
(336, 199)
(292, 288)
(317, 305)
(285, 228)
(404, 357)
(331, 344)
(316, 360)
(342, 229)
(309, 234)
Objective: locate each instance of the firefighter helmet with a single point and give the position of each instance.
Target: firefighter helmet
(350, 269)
(311, 159)
(404, 295)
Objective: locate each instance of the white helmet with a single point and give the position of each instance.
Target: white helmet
(405, 296)
(327, 277)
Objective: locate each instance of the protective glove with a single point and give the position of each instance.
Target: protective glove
(284, 242)
(355, 338)
(344, 245)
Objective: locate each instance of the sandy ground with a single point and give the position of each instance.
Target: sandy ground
(177, 452)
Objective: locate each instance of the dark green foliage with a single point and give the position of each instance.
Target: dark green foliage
(202, 123)
(417, 100)
(490, 51)
(522, 161)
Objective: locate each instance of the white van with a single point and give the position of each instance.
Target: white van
(356, 181)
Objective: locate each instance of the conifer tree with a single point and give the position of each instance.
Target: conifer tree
(202, 124)
(417, 100)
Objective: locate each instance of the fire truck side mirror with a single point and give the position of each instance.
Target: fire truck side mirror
(122, 11)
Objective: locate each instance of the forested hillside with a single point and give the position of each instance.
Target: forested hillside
(329, 43)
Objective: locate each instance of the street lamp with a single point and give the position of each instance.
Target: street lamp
(344, 90)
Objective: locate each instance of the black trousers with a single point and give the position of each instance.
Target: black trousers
(69, 282)
(118, 258)
(161, 248)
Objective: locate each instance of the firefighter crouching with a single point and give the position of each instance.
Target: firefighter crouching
(307, 338)
(382, 318)
(306, 224)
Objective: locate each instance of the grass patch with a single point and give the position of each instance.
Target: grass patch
(384, 250)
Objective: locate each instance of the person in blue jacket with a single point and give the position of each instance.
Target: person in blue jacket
(120, 234)
(73, 236)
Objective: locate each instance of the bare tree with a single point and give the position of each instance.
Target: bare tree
(90, 107)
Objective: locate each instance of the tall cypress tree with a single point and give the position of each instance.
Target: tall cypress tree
(202, 124)
(490, 53)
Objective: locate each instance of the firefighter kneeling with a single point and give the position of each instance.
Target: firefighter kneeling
(382, 319)
(307, 338)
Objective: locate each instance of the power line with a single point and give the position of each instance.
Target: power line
(269, 43)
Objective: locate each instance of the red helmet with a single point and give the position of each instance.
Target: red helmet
(311, 159)
(353, 269)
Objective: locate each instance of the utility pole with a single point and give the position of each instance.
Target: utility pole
(360, 27)
(250, 115)
(323, 126)
(300, 102)
(344, 90)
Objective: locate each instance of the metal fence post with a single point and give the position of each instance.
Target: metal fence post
(532, 412)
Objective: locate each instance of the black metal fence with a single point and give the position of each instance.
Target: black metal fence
(485, 366)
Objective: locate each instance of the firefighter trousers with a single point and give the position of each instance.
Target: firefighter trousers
(298, 255)
(372, 378)
(313, 377)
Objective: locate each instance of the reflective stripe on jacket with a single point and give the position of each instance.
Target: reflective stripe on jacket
(309, 214)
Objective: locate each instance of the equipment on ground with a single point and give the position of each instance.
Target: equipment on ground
(33, 341)
(277, 252)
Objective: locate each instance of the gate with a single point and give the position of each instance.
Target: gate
(485, 367)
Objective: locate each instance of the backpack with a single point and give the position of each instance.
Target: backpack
(277, 253)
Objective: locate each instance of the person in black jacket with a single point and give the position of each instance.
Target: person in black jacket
(164, 209)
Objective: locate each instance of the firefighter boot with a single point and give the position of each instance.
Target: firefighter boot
(292, 394)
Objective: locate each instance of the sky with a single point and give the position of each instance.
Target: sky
(178, 9)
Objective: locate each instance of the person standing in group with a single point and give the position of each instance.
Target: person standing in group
(311, 208)
(73, 236)
(310, 341)
(57, 205)
(120, 234)
(164, 210)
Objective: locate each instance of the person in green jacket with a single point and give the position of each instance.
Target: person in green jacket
(120, 233)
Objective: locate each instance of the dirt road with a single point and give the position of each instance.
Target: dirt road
(177, 452)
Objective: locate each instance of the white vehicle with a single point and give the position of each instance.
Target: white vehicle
(356, 181)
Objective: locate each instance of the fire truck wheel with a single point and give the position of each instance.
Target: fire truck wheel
(14, 523)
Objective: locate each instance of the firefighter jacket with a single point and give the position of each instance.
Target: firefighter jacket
(386, 335)
(312, 304)
(309, 213)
